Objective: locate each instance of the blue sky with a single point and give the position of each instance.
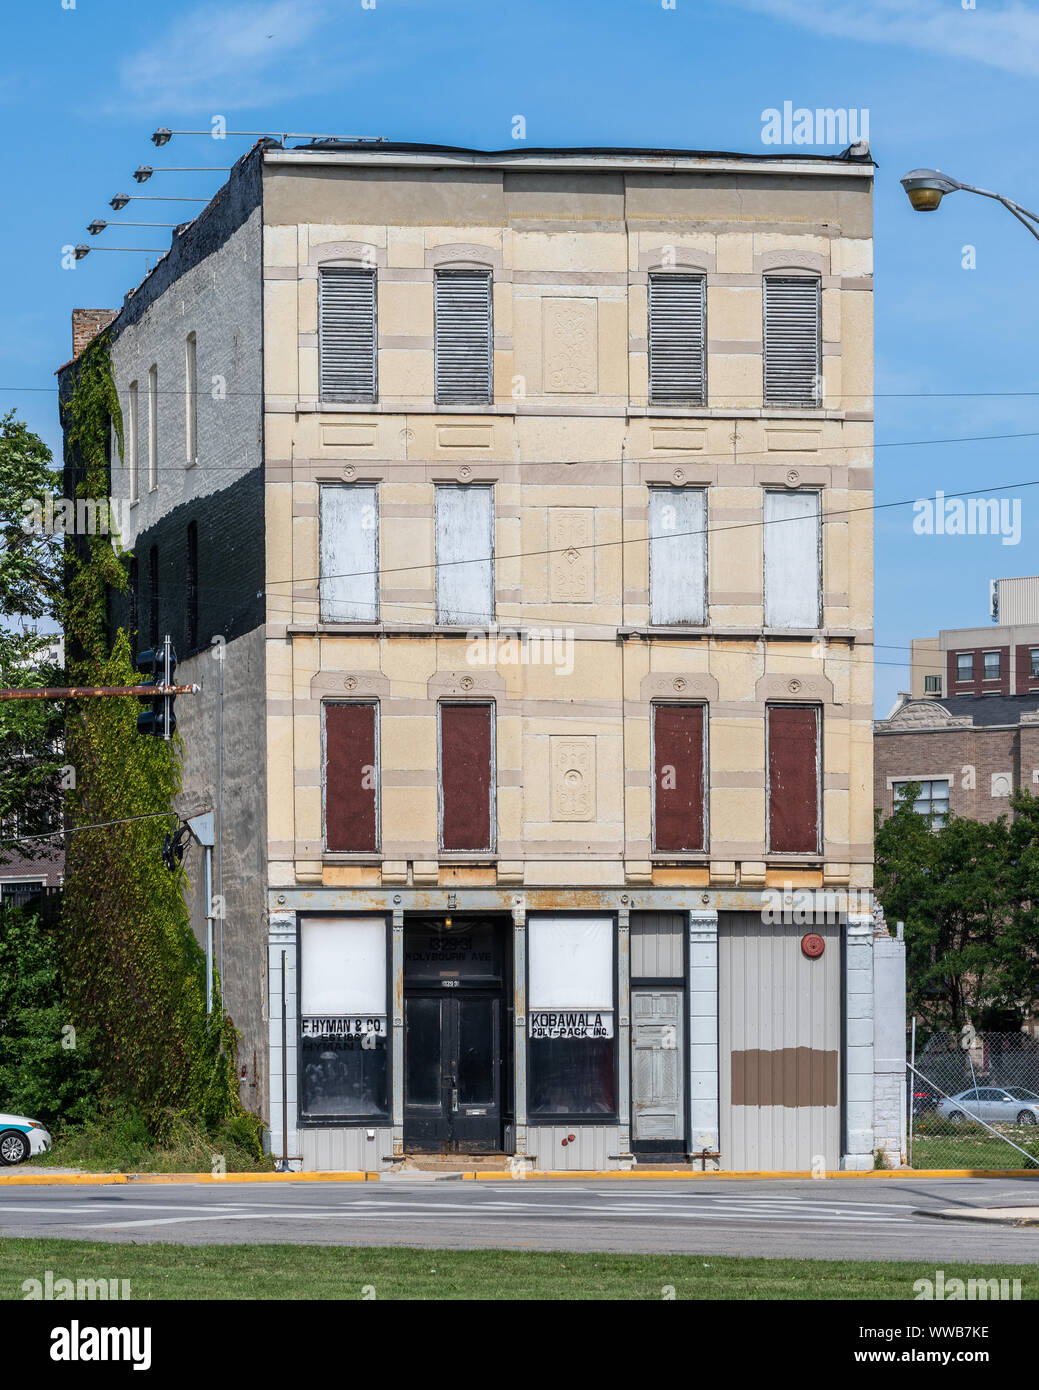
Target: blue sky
(945, 86)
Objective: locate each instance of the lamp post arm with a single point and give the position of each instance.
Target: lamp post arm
(1019, 212)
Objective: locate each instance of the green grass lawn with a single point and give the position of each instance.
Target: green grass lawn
(335, 1272)
(973, 1148)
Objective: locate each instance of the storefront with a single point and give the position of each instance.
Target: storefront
(632, 1029)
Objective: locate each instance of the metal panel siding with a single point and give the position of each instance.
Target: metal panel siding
(345, 1150)
(464, 555)
(463, 359)
(347, 334)
(677, 339)
(774, 1001)
(351, 821)
(1019, 600)
(793, 779)
(466, 784)
(793, 339)
(678, 777)
(793, 559)
(593, 1146)
(677, 555)
(657, 945)
(349, 523)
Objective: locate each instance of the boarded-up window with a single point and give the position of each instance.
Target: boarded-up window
(463, 357)
(793, 779)
(347, 334)
(466, 776)
(349, 553)
(678, 777)
(191, 400)
(793, 344)
(464, 555)
(793, 562)
(351, 776)
(677, 338)
(572, 1052)
(677, 555)
(132, 448)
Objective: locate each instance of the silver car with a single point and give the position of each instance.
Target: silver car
(1006, 1105)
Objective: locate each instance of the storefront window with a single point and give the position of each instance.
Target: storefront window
(343, 1056)
(572, 1060)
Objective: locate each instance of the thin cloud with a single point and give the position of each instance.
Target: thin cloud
(227, 58)
(1006, 38)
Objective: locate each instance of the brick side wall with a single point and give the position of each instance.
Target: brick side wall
(944, 752)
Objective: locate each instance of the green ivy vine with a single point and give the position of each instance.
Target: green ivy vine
(133, 972)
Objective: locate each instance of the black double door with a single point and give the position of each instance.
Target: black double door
(454, 1036)
(452, 1072)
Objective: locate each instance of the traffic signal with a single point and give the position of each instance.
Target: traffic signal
(158, 666)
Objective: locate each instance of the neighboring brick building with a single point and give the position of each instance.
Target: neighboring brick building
(512, 510)
(968, 754)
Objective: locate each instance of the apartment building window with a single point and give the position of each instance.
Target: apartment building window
(153, 597)
(793, 340)
(192, 585)
(794, 778)
(991, 666)
(932, 800)
(467, 776)
(793, 559)
(347, 333)
(463, 337)
(964, 666)
(132, 442)
(17, 892)
(677, 555)
(191, 400)
(153, 428)
(351, 782)
(679, 778)
(464, 540)
(349, 548)
(1033, 663)
(932, 685)
(571, 1060)
(677, 340)
(343, 1033)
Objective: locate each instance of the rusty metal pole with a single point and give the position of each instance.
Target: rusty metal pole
(90, 692)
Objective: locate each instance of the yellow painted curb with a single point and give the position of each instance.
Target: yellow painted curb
(44, 1179)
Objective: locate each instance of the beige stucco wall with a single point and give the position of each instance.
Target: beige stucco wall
(571, 449)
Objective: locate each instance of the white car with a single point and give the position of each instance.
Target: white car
(20, 1137)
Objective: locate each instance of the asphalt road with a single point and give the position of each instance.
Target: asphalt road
(823, 1219)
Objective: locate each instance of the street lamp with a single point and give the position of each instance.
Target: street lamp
(926, 188)
(121, 199)
(143, 172)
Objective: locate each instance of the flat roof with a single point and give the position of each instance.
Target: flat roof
(403, 153)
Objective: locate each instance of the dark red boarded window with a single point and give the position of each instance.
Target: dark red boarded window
(793, 779)
(678, 781)
(351, 777)
(466, 786)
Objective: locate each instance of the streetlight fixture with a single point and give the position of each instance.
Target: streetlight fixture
(83, 250)
(121, 199)
(926, 188)
(164, 135)
(98, 225)
(143, 172)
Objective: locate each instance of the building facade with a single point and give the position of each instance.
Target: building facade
(512, 511)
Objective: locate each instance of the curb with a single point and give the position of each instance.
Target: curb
(40, 1178)
(978, 1220)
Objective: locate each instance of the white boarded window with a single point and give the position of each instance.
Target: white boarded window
(463, 357)
(677, 555)
(131, 445)
(571, 962)
(464, 555)
(349, 553)
(793, 567)
(347, 334)
(677, 339)
(343, 966)
(793, 341)
(190, 400)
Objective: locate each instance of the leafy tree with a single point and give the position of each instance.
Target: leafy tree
(966, 891)
(30, 585)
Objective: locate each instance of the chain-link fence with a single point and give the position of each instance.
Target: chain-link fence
(974, 1101)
